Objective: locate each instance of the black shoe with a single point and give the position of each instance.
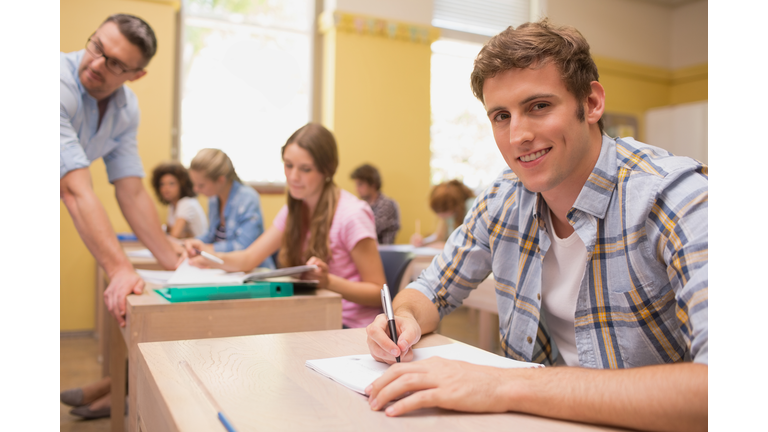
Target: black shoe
(72, 397)
(87, 413)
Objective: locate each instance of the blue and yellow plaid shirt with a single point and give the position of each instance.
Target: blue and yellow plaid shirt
(642, 216)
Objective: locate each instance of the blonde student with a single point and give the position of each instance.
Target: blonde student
(321, 224)
(234, 209)
(173, 187)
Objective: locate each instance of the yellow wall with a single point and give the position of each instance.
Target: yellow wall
(78, 20)
(634, 89)
(376, 101)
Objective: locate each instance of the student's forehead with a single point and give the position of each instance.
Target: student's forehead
(296, 154)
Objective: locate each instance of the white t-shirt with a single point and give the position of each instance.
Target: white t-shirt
(190, 210)
(564, 266)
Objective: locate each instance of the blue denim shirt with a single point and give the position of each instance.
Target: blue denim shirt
(83, 140)
(643, 298)
(243, 221)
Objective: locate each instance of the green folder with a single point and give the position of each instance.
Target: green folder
(227, 292)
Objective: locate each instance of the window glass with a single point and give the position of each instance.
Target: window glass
(245, 80)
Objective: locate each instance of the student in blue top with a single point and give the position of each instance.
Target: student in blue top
(234, 209)
(450, 201)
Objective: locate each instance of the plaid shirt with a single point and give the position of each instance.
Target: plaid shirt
(643, 299)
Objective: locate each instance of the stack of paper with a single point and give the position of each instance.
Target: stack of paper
(356, 372)
(188, 275)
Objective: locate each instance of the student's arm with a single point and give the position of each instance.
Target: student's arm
(93, 225)
(660, 398)
(242, 260)
(366, 257)
(140, 212)
(178, 228)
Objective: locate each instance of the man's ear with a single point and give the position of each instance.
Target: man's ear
(137, 75)
(595, 103)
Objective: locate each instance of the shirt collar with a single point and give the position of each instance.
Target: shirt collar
(118, 96)
(596, 194)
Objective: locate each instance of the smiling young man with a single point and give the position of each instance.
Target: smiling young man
(599, 251)
(99, 117)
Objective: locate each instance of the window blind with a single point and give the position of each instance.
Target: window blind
(484, 17)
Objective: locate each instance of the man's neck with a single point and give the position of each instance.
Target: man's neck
(102, 104)
(561, 199)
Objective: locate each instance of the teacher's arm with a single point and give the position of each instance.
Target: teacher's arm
(141, 214)
(93, 225)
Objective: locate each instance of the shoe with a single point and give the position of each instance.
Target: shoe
(72, 397)
(87, 413)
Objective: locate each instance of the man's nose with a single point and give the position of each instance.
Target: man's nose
(519, 130)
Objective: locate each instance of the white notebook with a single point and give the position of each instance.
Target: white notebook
(356, 372)
(188, 275)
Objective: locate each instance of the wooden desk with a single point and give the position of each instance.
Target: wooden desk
(102, 314)
(150, 318)
(262, 384)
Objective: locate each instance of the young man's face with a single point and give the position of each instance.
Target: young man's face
(536, 128)
(94, 75)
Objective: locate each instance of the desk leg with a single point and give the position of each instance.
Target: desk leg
(117, 372)
(102, 320)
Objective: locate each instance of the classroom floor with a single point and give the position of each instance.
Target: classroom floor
(80, 364)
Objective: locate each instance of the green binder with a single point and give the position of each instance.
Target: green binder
(228, 292)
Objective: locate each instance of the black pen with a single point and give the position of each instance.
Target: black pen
(386, 304)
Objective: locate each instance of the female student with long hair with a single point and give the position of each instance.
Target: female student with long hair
(450, 201)
(321, 225)
(173, 187)
(234, 209)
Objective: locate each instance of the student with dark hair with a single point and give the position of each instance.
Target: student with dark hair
(173, 187)
(385, 209)
(321, 224)
(599, 249)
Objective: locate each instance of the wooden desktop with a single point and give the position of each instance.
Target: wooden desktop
(262, 383)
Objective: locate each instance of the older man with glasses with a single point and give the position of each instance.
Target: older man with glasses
(99, 119)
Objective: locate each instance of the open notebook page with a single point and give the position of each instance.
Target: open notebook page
(356, 372)
(188, 275)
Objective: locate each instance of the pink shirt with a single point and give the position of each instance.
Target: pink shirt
(352, 222)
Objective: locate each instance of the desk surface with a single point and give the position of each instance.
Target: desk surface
(261, 383)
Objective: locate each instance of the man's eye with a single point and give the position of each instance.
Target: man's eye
(115, 64)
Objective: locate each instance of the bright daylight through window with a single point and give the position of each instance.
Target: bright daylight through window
(246, 80)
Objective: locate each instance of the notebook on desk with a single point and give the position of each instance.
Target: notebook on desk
(188, 275)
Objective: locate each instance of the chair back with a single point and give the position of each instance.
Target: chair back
(395, 263)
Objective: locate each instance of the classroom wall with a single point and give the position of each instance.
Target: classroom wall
(78, 20)
(376, 101)
(649, 55)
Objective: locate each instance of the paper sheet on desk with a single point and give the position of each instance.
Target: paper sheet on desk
(188, 275)
(140, 253)
(356, 372)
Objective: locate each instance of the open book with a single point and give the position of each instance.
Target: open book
(356, 372)
(187, 275)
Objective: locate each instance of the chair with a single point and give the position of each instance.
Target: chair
(395, 262)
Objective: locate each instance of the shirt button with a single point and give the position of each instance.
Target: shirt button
(529, 339)
(538, 296)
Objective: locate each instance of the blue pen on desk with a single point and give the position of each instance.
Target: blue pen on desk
(386, 304)
(222, 418)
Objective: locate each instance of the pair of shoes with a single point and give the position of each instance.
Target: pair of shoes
(72, 397)
(87, 413)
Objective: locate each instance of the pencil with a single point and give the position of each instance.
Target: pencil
(222, 418)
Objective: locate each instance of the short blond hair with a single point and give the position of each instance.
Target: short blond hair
(214, 163)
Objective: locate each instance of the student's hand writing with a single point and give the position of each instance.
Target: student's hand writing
(121, 284)
(437, 382)
(382, 347)
(417, 240)
(320, 275)
(193, 246)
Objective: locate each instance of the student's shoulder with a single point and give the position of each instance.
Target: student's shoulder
(506, 185)
(351, 207)
(658, 167)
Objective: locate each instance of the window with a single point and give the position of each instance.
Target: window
(246, 80)
(462, 143)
